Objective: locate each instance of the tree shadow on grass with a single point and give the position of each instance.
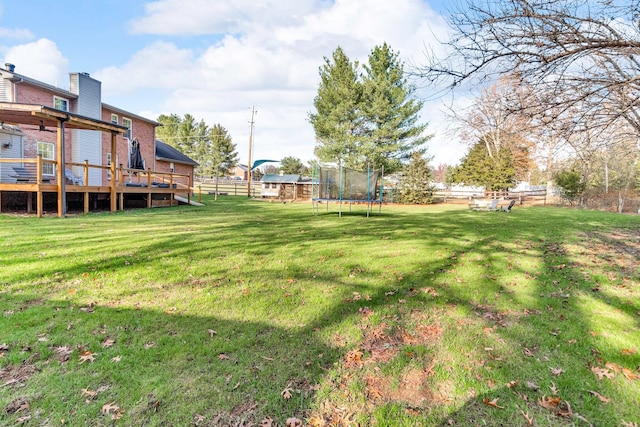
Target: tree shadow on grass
(157, 368)
(251, 363)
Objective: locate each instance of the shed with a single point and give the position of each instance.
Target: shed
(279, 186)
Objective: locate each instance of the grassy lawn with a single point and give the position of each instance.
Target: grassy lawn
(250, 313)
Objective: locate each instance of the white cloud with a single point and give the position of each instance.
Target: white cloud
(40, 60)
(265, 54)
(16, 33)
(189, 17)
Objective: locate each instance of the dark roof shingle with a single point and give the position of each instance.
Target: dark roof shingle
(166, 152)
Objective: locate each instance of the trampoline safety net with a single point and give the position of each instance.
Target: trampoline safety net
(333, 183)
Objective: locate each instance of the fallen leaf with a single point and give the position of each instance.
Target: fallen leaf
(556, 371)
(87, 356)
(526, 417)
(293, 422)
(629, 374)
(267, 422)
(628, 351)
(602, 372)
(286, 393)
(108, 407)
(493, 403)
(629, 424)
(108, 343)
(353, 358)
(212, 333)
(223, 356)
(614, 367)
(599, 396)
(316, 421)
(550, 403)
(554, 389)
(116, 359)
(512, 384)
(91, 394)
(573, 341)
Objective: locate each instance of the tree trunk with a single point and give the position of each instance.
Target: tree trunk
(215, 197)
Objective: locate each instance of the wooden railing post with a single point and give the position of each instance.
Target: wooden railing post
(39, 203)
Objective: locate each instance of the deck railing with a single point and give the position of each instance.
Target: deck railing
(125, 181)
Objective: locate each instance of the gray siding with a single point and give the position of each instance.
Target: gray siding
(89, 102)
(13, 151)
(87, 144)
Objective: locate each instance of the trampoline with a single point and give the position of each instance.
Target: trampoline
(343, 185)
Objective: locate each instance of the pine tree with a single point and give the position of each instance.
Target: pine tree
(390, 111)
(492, 172)
(366, 119)
(338, 121)
(292, 165)
(415, 184)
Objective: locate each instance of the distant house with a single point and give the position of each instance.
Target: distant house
(285, 187)
(239, 171)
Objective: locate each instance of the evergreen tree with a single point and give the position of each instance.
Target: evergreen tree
(391, 112)
(338, 120)
(292, 165)
(415, 182)
(168, 132)
(492, 172)
(366, 119)
(223, 155)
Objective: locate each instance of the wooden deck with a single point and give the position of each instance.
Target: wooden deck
(131, 189)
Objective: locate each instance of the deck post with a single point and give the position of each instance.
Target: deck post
(112, 192)
(62, 190)
(85, 181)
(189, 187)
(149, 194)
(39, 203)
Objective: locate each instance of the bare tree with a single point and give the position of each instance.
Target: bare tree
(495, 120)
(576, 53)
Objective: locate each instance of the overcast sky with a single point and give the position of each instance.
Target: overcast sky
(215, 59)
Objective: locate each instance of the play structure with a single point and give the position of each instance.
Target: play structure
(342, 185)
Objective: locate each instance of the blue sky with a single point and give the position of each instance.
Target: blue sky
(216, 59)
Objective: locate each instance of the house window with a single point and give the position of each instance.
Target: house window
(114, 119)
(47, 151)
(60, 103)
(128, 124)
(172, 167)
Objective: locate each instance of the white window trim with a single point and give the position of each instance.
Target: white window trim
(55, 97)
(114, 119)
(48, 165)
(130, 133)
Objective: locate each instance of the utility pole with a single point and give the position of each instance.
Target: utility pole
(253, 112)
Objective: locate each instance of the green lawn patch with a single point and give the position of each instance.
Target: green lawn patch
(250, 313)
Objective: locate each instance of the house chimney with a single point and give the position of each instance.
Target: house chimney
(9, 67)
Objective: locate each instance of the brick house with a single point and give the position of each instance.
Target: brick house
(83, 98)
